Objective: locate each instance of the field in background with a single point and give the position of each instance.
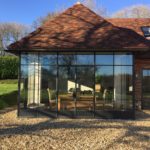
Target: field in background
(8, 93)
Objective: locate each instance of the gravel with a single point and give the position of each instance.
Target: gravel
(73, 134)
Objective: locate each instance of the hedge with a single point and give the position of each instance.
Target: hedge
(9, 67)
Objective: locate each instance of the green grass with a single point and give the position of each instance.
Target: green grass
(8, 81)
(8, 93)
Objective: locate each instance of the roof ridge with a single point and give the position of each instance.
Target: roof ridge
(67, 11)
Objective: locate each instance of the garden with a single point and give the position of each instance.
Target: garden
(8, 81)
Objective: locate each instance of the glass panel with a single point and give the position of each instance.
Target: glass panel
(48, 59)
(146, 84)
(146, 31)
(104, 87)
(48, 88)
(104, 59)
(123, 59)
(113, 83)
(66, 98)
(29, 58)
(24, 59)
(85, 59)
(123, 87)
(67, 59)
(85, 88)
(38, 86)
(24, 86)
(30, 85)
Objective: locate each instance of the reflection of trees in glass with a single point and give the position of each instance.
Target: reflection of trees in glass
(48, 77)
(29, 58)
(66, 74)
(104, 77)
(85, 59)
(98, 78)
(67, 59)
(48, 82)
(106, 81)
(85, 76)
(48, 59)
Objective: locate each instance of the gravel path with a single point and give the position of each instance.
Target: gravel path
(73, 134)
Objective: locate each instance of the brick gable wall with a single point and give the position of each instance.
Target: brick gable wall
(139, 65)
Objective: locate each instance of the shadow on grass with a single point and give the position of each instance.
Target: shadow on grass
(8, 100)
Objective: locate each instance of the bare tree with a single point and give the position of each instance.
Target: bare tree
(136, 11)
(96, 6)
(39, 21)
(89, 3)
(11, 32)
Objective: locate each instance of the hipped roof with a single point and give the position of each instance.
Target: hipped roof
(134, 24)
(79, 28)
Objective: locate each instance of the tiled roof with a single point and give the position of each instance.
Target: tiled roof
(134, 24)
(80, 28)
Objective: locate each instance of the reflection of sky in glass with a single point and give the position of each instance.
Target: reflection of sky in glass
(67, 72)
(85, 59)
(79, 59)
(66, 59)
(24, 71)
(24, 59)
(104, 59)
(146, 72)
(123, 59)
(29, 58)
(48, 59)
(85, 76)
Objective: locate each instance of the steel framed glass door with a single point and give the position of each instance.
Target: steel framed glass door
(66, 80)
(85, 90)
(79, 84)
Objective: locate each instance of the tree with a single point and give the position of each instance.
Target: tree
(11, 32)
(41, 20)
(136, 11)
(95, 6)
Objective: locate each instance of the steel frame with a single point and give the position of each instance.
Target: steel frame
(94, 65)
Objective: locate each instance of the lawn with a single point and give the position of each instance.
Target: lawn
(8, 93)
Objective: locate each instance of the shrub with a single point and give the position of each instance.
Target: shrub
(9, 67)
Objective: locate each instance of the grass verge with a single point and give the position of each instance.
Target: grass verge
(8, 93)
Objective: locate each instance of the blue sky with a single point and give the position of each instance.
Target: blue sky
(26, 11)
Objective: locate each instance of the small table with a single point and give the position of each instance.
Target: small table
(66, 97)
(71, 99)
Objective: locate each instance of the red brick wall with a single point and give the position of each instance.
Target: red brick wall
(139, 65)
